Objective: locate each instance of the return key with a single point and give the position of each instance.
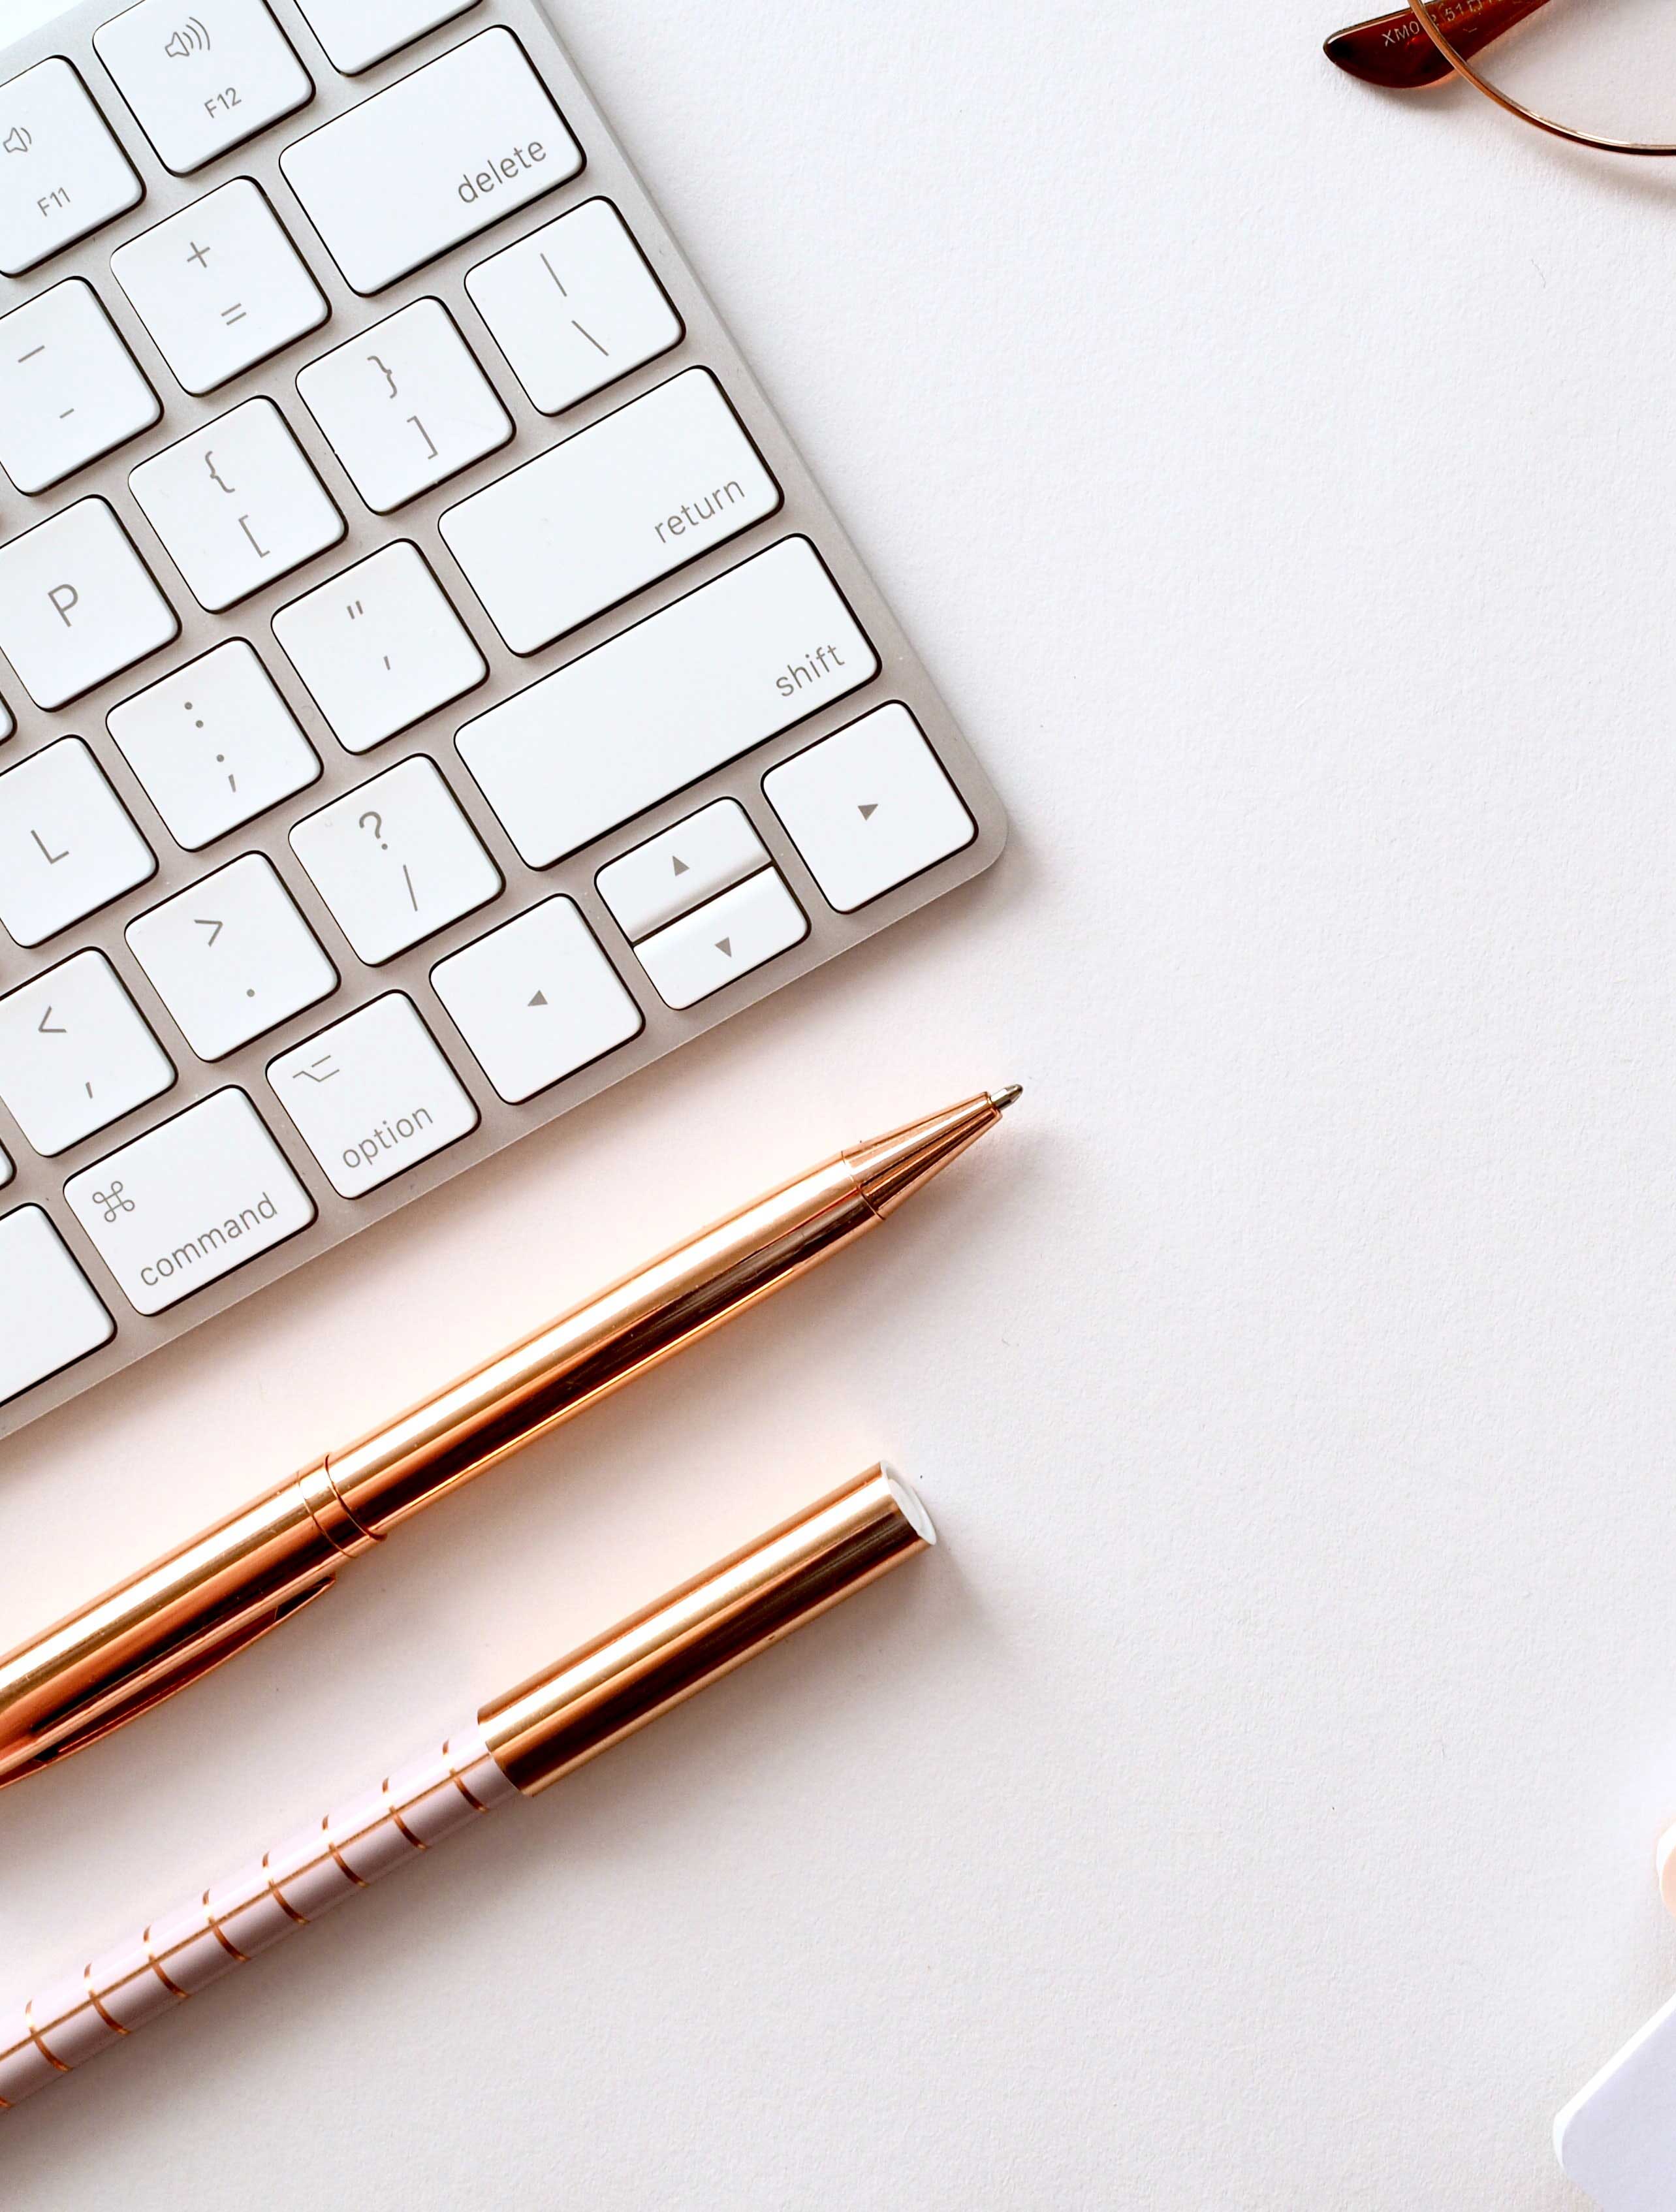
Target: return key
(612, 510)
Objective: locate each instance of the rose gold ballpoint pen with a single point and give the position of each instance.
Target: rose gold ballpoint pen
(160, 1630)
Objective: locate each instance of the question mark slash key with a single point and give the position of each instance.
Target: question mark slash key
(396, 860)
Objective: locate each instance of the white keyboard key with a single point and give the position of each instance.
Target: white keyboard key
(76, 1055)
(63, 174)
(215, 745)
(380, 647)
(685, 866)
(574, 307)
(537, 1000)
(49, 1316)
(67, 846)
(372, 1096)
(201, 74)
(219, 286)
(186, 1204)
(232, 956)
(77, 604)
(437, 158)
(736, 932)
(602, 516)
(406, 405)
(237, 504)
(69, 389)
(396, 860)
(868, 807)
(653, 709)
(355, 34)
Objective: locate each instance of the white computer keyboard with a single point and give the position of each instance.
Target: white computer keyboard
(433, 686)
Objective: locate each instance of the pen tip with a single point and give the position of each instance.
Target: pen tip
(1010, 1095)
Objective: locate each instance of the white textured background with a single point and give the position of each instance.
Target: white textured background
(1253, 1805)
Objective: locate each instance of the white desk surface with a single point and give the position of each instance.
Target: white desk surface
(1253, 1805)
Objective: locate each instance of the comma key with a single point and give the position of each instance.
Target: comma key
(190, 1202)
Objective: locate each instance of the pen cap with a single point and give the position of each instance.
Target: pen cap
(620, 1681)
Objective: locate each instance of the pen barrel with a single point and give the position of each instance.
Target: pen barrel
(657, 1658)
(573, 1362)
(191, 1609)
(121, 1990)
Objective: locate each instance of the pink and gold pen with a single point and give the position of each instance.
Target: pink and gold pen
(518, 1745)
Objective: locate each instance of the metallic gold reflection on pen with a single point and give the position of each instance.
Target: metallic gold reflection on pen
(562, 1718)
(214, 1597)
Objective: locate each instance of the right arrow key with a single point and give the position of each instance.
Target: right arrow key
(868, 807)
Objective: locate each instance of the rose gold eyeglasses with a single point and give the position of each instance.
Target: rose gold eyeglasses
(1597, 72)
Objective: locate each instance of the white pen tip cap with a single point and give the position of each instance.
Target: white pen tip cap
(914, 1510)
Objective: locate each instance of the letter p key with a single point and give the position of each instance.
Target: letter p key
(64, 598)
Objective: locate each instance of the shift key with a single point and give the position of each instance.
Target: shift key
(190, 1201)
(437, 158)
(661, 704)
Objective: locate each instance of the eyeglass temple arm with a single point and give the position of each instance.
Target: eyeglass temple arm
(1395, 50)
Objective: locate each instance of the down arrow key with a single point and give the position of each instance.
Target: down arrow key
(724, 940)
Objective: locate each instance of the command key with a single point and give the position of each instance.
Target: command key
(189, 1202)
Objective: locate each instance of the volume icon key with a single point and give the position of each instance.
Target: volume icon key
(191, 39)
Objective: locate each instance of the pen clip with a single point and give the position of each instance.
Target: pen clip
(122, 1705)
